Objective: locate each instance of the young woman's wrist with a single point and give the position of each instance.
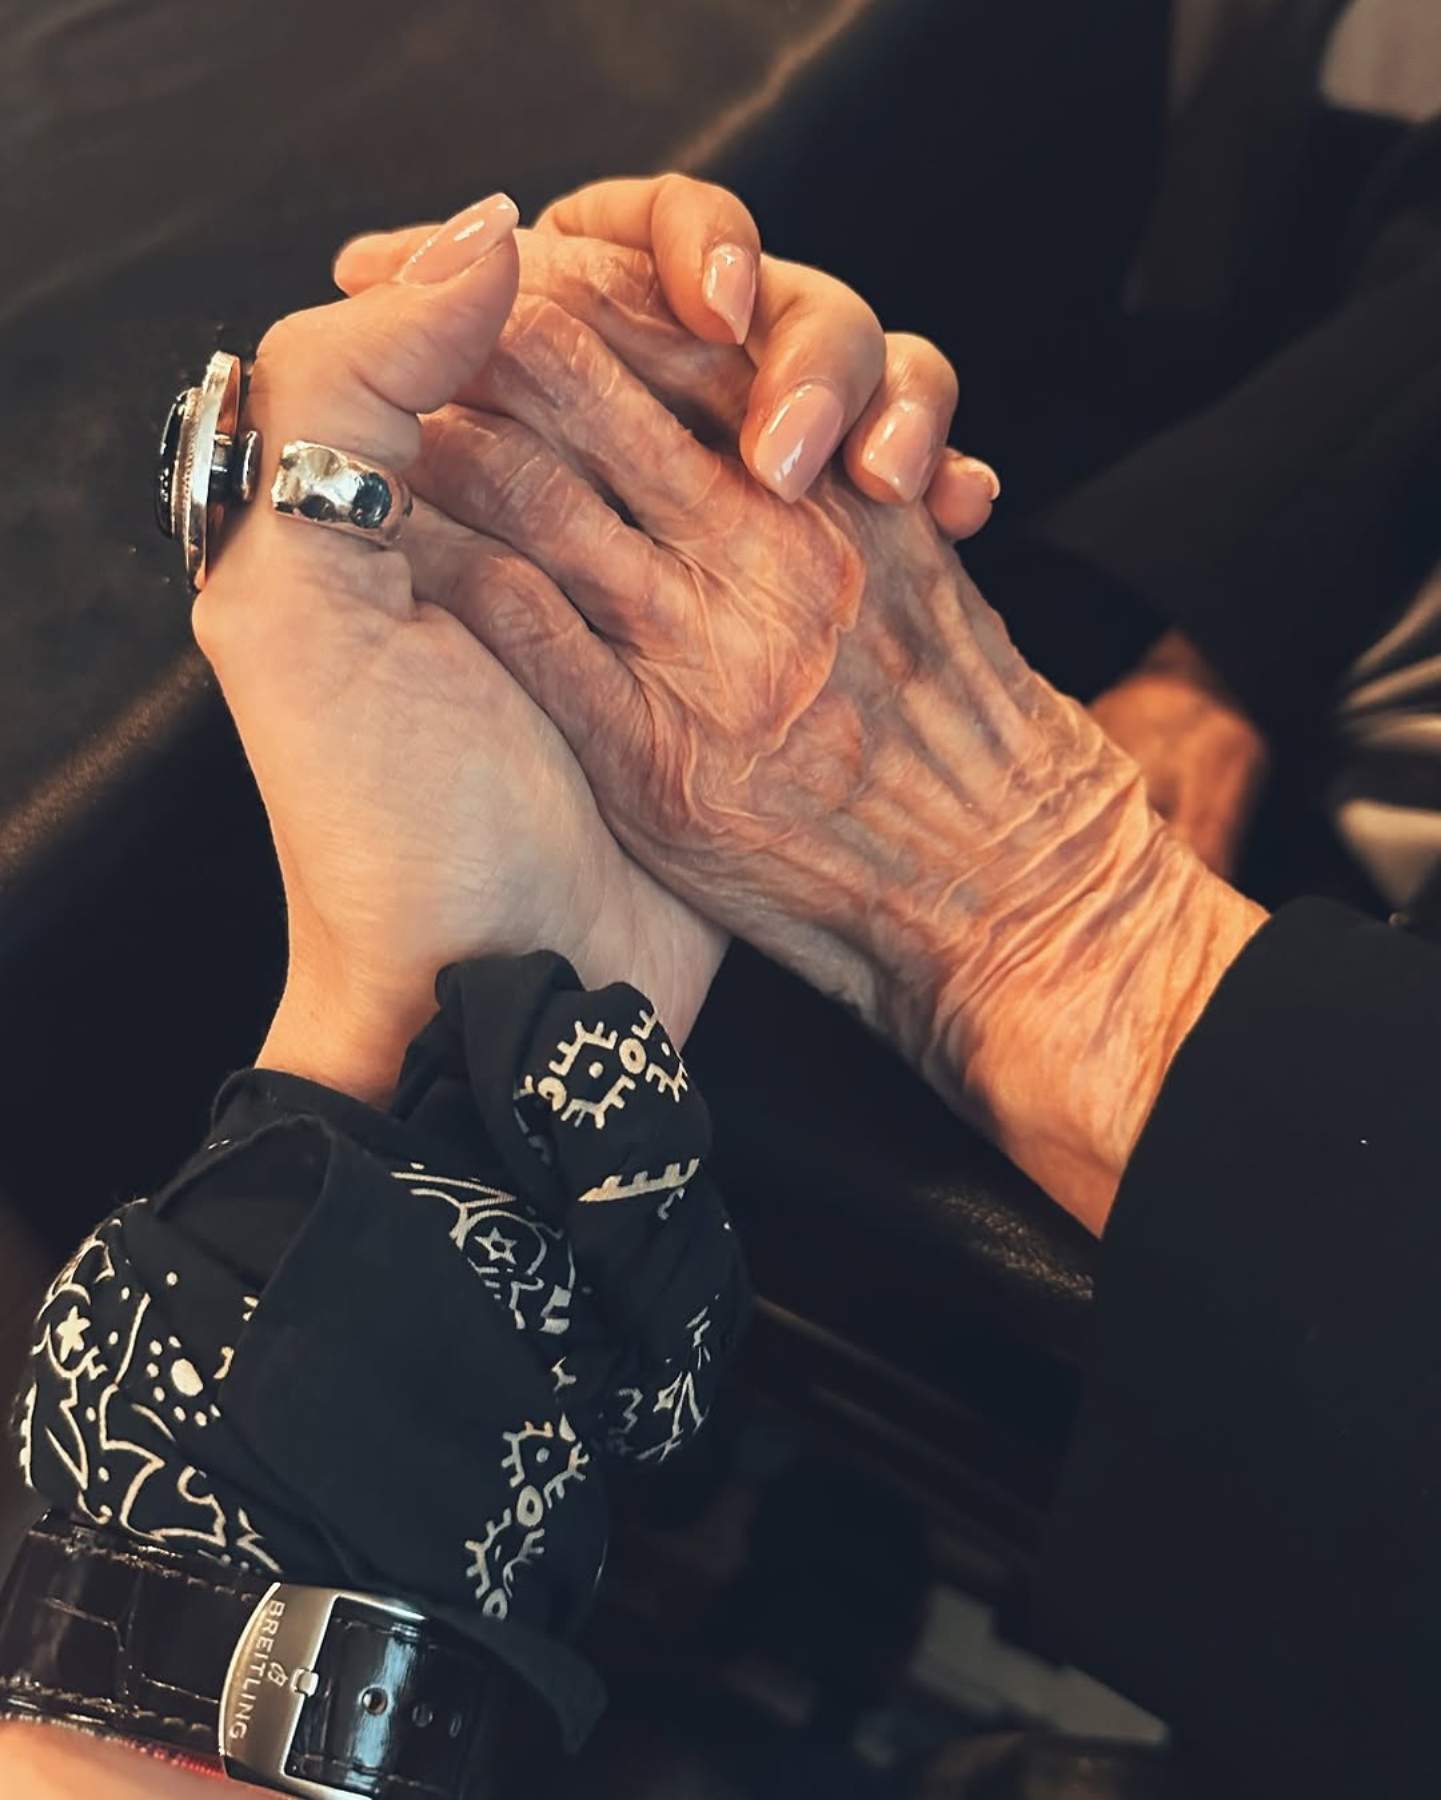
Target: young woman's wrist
(353, 1044)
(52, 1762)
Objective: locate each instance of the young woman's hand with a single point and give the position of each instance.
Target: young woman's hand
(424, 809)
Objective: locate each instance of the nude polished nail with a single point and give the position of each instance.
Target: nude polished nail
(901, 449)
(463, 241)
(799, 439)
(729, 288)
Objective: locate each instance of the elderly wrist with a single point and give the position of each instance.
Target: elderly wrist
(997, 809)
(1061, 1051)
(1030, 935)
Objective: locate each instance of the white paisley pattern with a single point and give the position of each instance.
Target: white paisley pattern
(111, 1386)
(123, 1417)
(540, 1463)
(522, 1261)
(585, 1089)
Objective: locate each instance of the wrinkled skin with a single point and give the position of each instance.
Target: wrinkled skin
(806, 722)
(781, 709)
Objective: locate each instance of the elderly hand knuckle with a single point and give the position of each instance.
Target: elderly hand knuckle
(513, 590)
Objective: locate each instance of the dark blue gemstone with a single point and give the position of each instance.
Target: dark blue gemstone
(371, 502)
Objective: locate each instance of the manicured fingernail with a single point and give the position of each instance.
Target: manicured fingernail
(729, 287)
(463, 241)
(902, 448)
(799, 439)
(975, 470)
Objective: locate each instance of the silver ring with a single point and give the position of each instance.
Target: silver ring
(319, 485)
(205, 464)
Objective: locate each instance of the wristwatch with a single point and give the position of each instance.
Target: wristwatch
(313, 1691)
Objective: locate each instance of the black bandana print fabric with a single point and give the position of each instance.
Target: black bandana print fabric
(397, 1349)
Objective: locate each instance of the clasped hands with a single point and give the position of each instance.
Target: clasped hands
(648, 669)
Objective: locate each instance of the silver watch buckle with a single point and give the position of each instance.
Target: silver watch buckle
(272, 1675)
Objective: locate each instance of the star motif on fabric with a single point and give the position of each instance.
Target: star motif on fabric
(497, 1246)
(70, 1333)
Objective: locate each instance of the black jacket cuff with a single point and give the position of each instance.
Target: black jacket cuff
(1247, 1541)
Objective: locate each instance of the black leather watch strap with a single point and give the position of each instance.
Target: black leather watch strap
(318, 1691)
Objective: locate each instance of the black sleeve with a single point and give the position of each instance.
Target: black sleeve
(396, 1350)
(1281, 528)
(1249, 1540)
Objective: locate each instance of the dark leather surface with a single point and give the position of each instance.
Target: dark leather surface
(173, 179)
(94, 1631)
(198, 171)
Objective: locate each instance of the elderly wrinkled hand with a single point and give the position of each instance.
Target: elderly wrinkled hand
(751, 686)
(805, 720)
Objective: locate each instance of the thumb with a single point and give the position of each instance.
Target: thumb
(704, 241)
(354, 375)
